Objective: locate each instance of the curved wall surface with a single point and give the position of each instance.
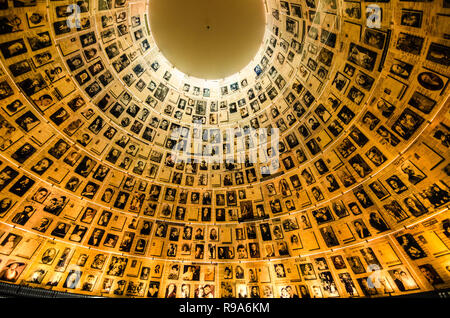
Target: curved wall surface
(321, 169)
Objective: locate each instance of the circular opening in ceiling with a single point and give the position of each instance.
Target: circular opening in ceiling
(208, 39)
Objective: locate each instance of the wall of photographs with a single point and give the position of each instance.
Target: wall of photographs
(353, 204)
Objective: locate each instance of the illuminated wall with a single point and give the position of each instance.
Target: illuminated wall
(352, 203)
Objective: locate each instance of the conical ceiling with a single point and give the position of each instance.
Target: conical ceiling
(133, 163)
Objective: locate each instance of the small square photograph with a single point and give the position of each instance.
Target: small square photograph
(411, 18)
